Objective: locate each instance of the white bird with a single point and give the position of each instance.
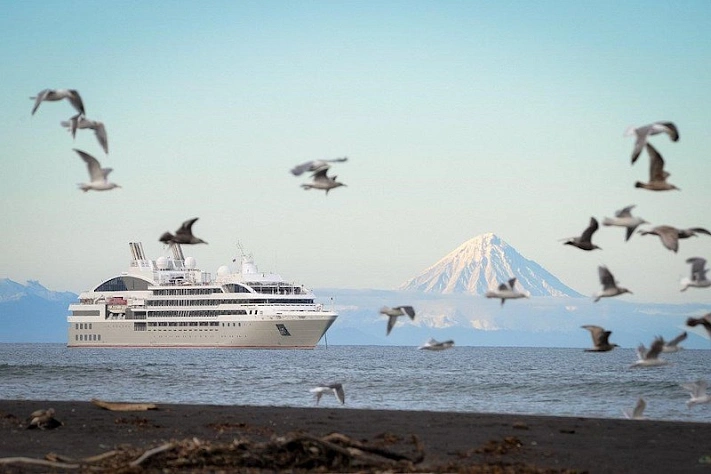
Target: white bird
(320, 180)
(184, 235)
(315, 165)
(99, 176)
(336, 388)
(584, 242)
(624, 218)
(506, 291)
(609, 285)
(71, 95)
(81, 122)
(43, 420)
(650, 358)
(396, 312)
(698, 393)
(698, 274)
(657, 175)
(673, 345)
(646, 130)
(638, 412)
(433, 345)
(600, 339)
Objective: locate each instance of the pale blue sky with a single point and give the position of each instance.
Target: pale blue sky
(459, 118)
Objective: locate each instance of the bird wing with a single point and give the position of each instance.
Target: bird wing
(595, 333)
(625, 211)
(100, 132)
(503, 287)
(641, 140)
(339, 393)
(606, 278)
(186, 227)
(677, 339)
(587, 233)
(300, 169)
(408, 310)
(655, 349)
(669, 236)
(38, 99)
(641, 352)
(700, 230)
(92, 164)
(391, 324)
(656, 165)
(76, 101)
(512, 282)
(320, 175)
(639, 408)
(667, 127)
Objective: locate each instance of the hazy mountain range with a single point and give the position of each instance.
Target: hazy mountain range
(448, 298)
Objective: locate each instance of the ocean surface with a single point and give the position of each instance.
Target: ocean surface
(540, 381)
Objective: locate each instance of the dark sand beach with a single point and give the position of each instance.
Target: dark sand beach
(450, 442)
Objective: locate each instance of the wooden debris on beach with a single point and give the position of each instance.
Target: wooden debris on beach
(121, 406)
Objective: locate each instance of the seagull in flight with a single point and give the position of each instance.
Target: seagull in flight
(670, 235)
(704, 320)
(637, 412)
(600, 339)
(657, 175)
(396, 312)
(506, 291)
(320, 180)
(652, 129)
(184, 235)
(315, 165)
(650, 358)
(81, 122)
(71, 95)
(584, 241)
(336, 388)
(698, 274)
(624, 218)
(99, 176)
(609, 285)
(433, 345)
(698, 393)
(673, 345)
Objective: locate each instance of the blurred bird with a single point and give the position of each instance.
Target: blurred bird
(624, 218)
(506, 291)
(584, 241)
(315, 165)
(637, 412)
(433, 345)
(81, 122)
(704, 320)
(396, 312)
(657, 175)
(184, 235)
(336, 388)
(673, 345)
(322, 181)
(99, 176)
(670, 235)
(609, 285)
(600, 339)
(650, 358)
(698, 274)
(645, 131)
(43, 420)
(698, 393)
(71, 95)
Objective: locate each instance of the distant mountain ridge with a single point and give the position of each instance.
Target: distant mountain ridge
(482, 263)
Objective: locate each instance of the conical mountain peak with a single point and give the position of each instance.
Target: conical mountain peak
(481, 263)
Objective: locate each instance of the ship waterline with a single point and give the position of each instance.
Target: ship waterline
(170, 303)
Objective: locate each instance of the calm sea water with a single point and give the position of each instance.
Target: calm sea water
(563, 382)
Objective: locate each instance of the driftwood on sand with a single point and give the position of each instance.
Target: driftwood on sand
(121, 406)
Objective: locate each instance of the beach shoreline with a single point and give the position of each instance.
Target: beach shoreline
(449, 440)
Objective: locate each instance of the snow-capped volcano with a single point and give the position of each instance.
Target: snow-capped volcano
(483, 263)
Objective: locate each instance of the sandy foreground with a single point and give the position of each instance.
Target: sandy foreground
(220, 436)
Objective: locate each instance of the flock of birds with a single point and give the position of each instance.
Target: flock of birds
(320, 180)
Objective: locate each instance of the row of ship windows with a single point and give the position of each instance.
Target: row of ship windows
(82, 325)
(199, 313)
(187, 291)
(87, 337)
(152, 324)
(223, 301)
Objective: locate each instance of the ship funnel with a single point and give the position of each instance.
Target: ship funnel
(137, 251)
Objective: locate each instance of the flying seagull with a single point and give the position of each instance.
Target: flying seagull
(81, 122)
(698, 393)
(320, 180)
(670, 235)
(704, 320)
(396, 312)
(657, 175)
(673, 345)
(637, 412)
(698, 274)
(43, 420)
(650, 358)
(624, 218)
(584, 241)
(58, 94)
(336, 388)
(609, 285)
(600, 339)
(506, 291)
(315, 165)
(184, 235)
(99, 176)
(646, 130)
(433, 345)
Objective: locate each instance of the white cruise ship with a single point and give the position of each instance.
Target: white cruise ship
(171, 303)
